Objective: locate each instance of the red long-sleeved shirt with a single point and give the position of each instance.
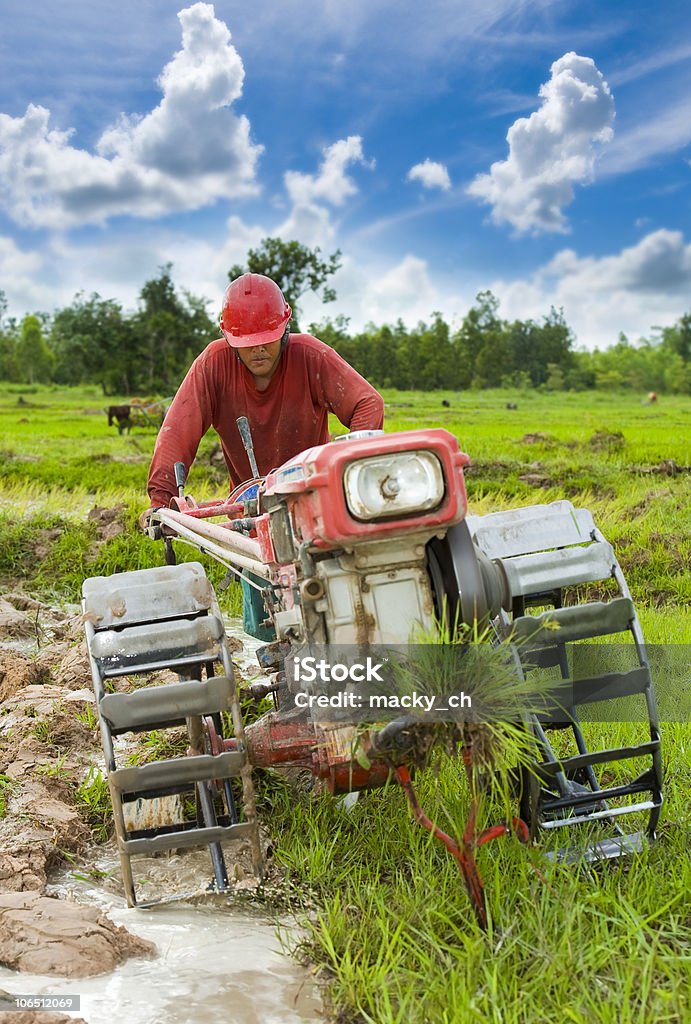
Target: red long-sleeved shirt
(311, 381)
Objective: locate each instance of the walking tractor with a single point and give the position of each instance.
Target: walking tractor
(377, 593)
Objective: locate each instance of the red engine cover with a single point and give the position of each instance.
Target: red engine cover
(312, 483)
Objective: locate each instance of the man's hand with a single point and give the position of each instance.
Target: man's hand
(145, 524)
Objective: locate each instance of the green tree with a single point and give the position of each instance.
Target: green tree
(8, 356)
(675, 349)
(534, 347)
(640, 367)
(385, 370)
(581, 374)
(94, 344)
(170, 332)
(555, 380)
(8, 344)
(294, 267)
(35, 359)
(435, 357)
(480, 330)
(678, 338)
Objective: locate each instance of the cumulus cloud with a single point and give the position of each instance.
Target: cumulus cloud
(404, 290)
(430, 174)
(135, 252)
(660, 263)
(630, 291)
(309, 220)
(552, 150)
(20, 276)
(187, 152)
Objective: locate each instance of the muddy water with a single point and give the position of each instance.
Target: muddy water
(219, 958)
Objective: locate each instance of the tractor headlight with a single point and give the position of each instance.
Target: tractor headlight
(393, 485)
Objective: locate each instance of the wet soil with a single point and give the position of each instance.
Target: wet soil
(46, 747)
(52, 926)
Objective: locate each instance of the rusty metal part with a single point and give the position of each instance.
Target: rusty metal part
(280, 739)
(463, 852)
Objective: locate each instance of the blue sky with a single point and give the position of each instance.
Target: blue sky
(541, 149)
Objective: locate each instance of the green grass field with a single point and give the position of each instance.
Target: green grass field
(386, 916)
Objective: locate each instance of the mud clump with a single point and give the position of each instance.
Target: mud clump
(536, 477)
(108, 521)
(14, 624)
(23, 618)
(607, 440)
(47, 746)
(70, 668)
(24, 856)
(50, 936)
(667, 467)
(65, 732)
(536, 480)
(45, 750)
(539, 438)
(42, 822)
(16, 673)
(44, 542)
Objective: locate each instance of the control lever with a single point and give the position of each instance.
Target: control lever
(179, 470)
(246, 435)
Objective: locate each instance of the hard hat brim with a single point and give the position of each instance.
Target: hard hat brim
(253, 340)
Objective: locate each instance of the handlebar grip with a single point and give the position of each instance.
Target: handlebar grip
(179, 470)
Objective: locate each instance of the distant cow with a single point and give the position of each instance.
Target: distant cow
(120, 414)
(511, 405)
(446, 403)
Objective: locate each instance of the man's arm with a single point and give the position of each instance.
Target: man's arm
(187, 420)
(349, 395)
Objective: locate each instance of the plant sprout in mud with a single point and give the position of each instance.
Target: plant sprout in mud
(94, 797)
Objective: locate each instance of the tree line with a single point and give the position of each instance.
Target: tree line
(148, 351)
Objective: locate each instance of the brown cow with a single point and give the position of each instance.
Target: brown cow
(121, 415)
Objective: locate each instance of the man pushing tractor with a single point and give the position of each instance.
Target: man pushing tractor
(361, 552)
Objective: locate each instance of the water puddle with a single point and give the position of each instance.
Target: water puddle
(218, 957)
(216, 960)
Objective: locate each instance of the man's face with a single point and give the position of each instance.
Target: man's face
(261, 360)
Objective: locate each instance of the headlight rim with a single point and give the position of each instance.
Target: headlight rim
(429, 458)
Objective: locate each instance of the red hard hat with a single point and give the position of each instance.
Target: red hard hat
(254, 311)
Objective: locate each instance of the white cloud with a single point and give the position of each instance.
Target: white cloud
(404, 290)
(187, 152)
(550, 151)
(430, 174)
(309, 220)
(371, 290)
(659, 264)
(631, 291)
(20, 276)
(331, 184)
(201, 262)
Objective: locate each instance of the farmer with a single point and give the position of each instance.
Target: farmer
(285, 384)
